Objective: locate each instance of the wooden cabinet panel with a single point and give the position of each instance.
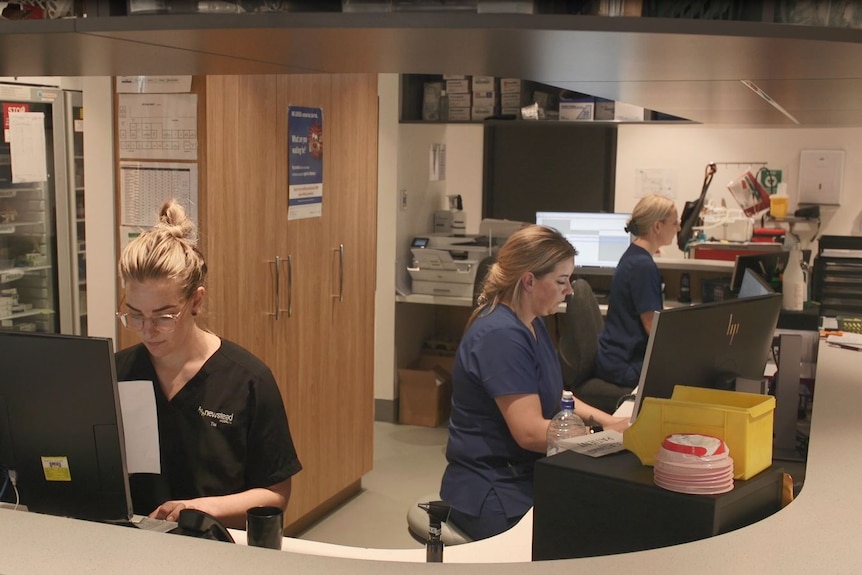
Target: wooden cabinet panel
(322, 351)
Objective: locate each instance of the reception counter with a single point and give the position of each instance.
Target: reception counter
(815, 533)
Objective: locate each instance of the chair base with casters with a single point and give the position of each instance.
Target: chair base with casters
(418, 524)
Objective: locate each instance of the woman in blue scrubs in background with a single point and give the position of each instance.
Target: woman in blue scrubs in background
(507, 385)
(636, 293)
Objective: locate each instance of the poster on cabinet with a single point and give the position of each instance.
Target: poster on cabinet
(304, 162)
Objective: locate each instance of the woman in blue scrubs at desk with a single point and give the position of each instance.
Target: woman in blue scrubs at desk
(507, 385)
(636, 293)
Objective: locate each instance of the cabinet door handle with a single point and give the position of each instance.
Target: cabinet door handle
(340, 250)
(289, 310)
(276, 296)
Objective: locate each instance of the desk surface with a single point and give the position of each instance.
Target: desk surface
(815, 533)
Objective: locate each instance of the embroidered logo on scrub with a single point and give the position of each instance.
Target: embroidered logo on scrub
(215, 417)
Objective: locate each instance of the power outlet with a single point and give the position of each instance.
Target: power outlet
(403, 199)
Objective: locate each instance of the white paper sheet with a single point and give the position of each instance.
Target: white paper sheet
(140, 426)
(27, 147)
(595, 444)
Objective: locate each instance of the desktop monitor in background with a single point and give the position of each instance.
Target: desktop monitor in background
(60, 425)
(600, 238)
(767, 265)
(709, 345)
(753, 284)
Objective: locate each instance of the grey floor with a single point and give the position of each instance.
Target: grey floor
(408, 464)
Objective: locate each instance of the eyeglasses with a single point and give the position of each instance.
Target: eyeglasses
(165, 323)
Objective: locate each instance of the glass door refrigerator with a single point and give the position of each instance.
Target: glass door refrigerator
(39, 267)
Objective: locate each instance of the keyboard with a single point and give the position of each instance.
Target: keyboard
(148, 524)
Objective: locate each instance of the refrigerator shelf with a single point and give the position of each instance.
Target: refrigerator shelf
(10, 228)
(27, 313)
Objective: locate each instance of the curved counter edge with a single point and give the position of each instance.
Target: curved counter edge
(814, 533)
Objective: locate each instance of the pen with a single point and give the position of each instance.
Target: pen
(827, 332)
(844, 346)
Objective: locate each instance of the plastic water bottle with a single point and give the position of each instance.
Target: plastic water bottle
(565, 424)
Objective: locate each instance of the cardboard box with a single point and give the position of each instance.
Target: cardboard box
(487, 98)
(576, 107)
(459, 114)
(513, 99)
(425, 391)
(460, 100)
(484, 83)
(511, 86)
(458, 86)
(610, 110)
(479, 113)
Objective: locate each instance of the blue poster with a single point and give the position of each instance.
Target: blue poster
(304, 162)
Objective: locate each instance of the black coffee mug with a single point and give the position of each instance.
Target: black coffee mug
(264, 527)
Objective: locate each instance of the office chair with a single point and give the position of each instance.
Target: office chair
(578, 346)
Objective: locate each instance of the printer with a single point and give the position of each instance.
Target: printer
(446, 264)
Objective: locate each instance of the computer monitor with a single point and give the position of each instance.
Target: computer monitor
(753, 284)
(767, 265)
(600, 238)
(61, 426)
(708, 345)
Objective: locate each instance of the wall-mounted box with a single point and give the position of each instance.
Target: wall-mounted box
(821, 174)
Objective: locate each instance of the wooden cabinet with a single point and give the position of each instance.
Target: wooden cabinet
(312, 322)
(320, 346)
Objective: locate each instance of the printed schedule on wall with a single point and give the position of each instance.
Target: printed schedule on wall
(158, 126)
(145, 186)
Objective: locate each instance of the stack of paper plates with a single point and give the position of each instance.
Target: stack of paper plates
(693, 463)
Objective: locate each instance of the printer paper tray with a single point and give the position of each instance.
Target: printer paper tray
(447, 276)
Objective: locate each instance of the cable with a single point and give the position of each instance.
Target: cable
(13, 477)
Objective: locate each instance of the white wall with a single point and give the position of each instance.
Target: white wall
(99, 203)
(686, 150)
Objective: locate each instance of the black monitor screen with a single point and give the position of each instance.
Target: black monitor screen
(768, 266)
(60, 425)
(753, 284)
(708, 345)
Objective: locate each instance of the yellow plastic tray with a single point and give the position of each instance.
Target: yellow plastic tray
(742, 420)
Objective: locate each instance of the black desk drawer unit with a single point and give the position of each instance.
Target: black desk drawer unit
(837, 278)
(584, 507)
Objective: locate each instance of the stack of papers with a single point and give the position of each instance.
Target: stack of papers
(848, 340)
(595, 444)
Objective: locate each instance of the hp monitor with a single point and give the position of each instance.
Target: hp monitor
(708, 345)
(61, 427)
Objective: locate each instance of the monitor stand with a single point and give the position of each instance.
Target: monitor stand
(787, 398)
